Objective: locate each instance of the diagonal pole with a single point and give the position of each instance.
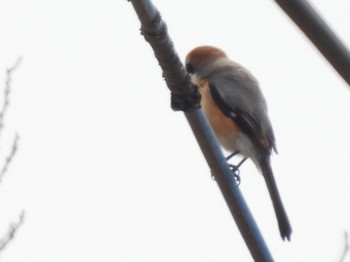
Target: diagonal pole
(320, 34)
(186, 98)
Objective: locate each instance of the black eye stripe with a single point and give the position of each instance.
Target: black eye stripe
(189, 68)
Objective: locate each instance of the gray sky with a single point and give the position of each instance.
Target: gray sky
(106, 171)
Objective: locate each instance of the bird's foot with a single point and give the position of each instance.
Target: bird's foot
(236, 173)
(235, 168)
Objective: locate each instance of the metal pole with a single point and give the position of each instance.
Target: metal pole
(186, 98)
(316, 29)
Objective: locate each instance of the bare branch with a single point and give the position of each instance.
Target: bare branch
(7, 91)
(11, 232)
(13, 228)
(10, 157)
(346, 247)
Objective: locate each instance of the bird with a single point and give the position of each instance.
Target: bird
(237, 111)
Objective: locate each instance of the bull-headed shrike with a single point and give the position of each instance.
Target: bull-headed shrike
(237, 112)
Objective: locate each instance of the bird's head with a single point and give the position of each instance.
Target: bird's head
(200, 61)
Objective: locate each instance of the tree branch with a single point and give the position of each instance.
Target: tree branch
(346, 247)
(13, 228)
(7, 91)
(10, 157)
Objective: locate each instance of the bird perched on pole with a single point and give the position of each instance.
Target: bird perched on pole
(237, 111)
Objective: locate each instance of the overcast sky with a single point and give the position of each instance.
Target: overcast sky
(106, 171)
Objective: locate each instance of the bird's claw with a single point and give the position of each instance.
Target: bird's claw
(236, 173)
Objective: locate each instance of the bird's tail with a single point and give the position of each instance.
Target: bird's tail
(282, 218)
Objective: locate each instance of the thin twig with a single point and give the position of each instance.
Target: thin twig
(7, 91)
(11, 232)
(10, 157)
(346, 247)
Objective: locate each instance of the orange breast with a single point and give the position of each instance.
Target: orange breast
(224, 127)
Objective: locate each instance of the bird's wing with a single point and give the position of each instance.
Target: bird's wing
(245, 105)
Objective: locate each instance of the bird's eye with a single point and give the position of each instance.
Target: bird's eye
(189, 68)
